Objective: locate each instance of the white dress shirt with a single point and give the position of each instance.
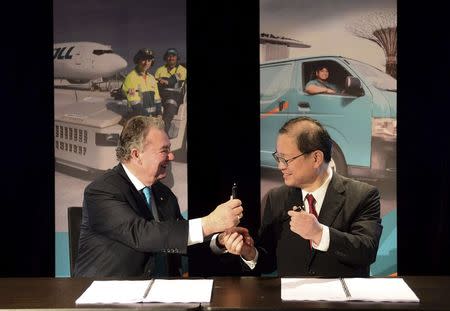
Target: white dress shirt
(195, 235)
(319, 196)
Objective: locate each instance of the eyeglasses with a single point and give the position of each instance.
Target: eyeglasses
(284, 161)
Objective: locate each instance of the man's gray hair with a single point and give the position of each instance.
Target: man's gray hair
(134, 133)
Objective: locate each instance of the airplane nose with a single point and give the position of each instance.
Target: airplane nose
(121, 63)
(109, 64)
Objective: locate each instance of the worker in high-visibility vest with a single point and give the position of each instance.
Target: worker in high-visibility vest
(171, 77)
(141, 88)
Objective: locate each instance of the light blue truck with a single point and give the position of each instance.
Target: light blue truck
(361, 118)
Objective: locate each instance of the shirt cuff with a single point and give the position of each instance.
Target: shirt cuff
(214, 247)
(251, 263)
(324, 241)
(195, 235)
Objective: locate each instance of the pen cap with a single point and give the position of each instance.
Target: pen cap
(234, 191)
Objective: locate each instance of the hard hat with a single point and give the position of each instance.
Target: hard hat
(143, 54)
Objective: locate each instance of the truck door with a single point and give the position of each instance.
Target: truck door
(275, 97)
(347, 118)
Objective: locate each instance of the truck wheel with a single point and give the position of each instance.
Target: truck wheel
(337, 162)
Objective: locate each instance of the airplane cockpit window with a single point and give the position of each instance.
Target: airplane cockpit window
(101, 52)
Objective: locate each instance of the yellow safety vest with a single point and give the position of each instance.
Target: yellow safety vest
(164, 72)
(139, 83)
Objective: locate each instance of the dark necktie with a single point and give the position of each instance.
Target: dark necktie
(148, 199)
(312, 210)
(311, 204)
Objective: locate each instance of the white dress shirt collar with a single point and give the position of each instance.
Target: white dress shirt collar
(136, 182)
(319, 193)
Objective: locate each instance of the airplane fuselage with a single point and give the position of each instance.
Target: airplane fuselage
(80, 62)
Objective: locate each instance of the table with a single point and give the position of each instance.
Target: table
(229, 293)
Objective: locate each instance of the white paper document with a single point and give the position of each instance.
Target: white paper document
(157, 290)
(375, 289)
(312, 289)
(347, 289)
(180, 291)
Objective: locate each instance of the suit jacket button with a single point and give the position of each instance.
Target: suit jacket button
(312, 272)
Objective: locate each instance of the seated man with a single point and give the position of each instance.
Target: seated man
(319, 85)
(131, 224)
(170, 77)
(319, 223)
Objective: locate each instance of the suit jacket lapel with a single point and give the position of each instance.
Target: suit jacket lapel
(161, 201)
(294, 197)
(332, 204)
(333, 201)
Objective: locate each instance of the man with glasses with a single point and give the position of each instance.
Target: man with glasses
(319, 223)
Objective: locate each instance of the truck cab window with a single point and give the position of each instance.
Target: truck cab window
(324, 76)
(275, 80)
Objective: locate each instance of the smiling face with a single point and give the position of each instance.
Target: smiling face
(322, 74)
(155, 156)
(144, 64)
(172, 60)
(299, 172)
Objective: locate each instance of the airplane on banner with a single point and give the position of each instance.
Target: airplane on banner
(85, 62)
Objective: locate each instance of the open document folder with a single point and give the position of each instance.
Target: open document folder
(347, 289)
(155, 290)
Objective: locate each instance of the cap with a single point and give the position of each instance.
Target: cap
(170, 51)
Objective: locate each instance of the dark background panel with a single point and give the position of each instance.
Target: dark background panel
(27, 227)
(223, 131)
(223, 117)
(423, 140)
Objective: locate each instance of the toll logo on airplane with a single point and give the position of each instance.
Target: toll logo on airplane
(62, 53)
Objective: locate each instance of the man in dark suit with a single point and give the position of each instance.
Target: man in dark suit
(319, 223)
(131, 224)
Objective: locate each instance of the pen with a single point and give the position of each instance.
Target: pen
(234, 191)
(298, 208)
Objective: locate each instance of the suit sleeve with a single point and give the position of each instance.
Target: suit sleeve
(266, 242)
(110, 214)
(359, 246)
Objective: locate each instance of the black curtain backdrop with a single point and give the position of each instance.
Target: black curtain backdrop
(423, 156)
(223, 118)
(223, 131)
(27, 226)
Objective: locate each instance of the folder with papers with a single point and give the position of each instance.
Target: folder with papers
(155, 290)
(347, 289)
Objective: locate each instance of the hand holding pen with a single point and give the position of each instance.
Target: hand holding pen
(305, 224)
(299, 208)
(234, 193)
